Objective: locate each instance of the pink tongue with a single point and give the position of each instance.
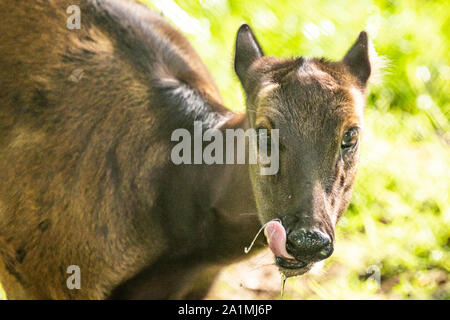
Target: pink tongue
(276, 236)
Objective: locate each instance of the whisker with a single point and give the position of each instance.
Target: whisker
(247, 250)
(263, 266)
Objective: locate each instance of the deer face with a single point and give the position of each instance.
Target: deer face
(317, 107)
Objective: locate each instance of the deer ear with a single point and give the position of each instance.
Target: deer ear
(357, 58)
(247, 51)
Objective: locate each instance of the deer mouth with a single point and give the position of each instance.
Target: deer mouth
(276, 237)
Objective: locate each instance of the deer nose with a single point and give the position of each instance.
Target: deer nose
(309, 245)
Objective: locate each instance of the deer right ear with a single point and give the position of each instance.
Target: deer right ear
(248, 51)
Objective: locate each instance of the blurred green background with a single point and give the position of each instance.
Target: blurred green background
(393, 241)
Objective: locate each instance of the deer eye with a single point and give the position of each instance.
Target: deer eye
(350, 138)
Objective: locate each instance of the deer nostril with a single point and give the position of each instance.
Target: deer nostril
(311, 245)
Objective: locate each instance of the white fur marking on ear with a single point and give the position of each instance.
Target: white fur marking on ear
(378, 65)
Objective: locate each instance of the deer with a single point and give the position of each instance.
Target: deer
(87, 179)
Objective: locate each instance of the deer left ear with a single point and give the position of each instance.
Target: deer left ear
(248, 51)
(357, 59)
